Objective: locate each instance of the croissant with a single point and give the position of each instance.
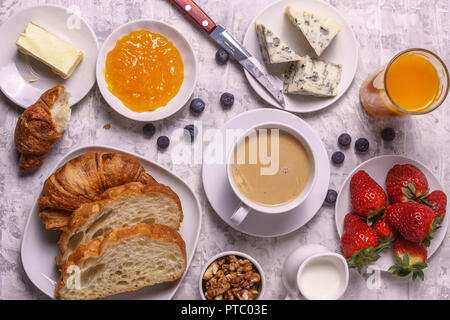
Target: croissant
(40, 126)
(84, 179)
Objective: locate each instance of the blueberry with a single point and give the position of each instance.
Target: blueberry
(338, 157)
(191, 131)
(226, 100)
(197, 105)
(344, 140)
(388, 134)
(362, 145)
(163, 142)
(331, 196)
(222, 56)
(149, 129)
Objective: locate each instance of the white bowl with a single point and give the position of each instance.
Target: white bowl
(262, 285)
(339, 261)
(189, 62)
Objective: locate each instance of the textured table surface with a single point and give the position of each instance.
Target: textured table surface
(382, 29)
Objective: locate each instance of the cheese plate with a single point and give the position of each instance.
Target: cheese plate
(342, 50)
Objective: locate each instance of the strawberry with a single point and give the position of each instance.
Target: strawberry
(405, 183)
(359, 243)
(367, 197)
(438, 203)
(383, 230)
(409, 257)
(350, 221)
(414, 221)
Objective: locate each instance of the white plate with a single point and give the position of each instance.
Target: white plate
(189, 62)
(39, 247)
(343, 50)
(378, 168)
(224, 201)
(15, 67)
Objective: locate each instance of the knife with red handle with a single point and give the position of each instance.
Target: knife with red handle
(232, 46)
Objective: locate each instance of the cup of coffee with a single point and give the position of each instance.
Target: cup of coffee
(271, 169)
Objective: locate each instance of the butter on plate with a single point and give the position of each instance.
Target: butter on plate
(44, 46)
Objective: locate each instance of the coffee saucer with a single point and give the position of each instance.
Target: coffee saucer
(224, 201)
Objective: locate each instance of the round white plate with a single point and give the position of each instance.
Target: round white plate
(16, 68)
(342, 50)
(189, 62)
(39, 248)
(224, 201)
(378, 168)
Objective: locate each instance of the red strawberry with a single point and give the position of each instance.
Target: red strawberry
(384, 231)
(359, 243)
(350, 221)
(405, 183)
(438, 201)
(414, 221)
(367, 197)
(409, 257)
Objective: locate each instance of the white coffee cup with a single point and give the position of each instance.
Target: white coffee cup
(323, 272)
(246, 204)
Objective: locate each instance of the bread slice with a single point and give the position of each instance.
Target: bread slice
(123, 206)
(124, 259)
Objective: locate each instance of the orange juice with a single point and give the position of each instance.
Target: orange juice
(412, 82)
(416, 81)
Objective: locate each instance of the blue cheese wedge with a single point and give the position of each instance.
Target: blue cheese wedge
(311, 76)
(318, 30)
(273, 49)
(44, 46)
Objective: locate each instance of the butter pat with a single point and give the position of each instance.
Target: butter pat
(44, 46)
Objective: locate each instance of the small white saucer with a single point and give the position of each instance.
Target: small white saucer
(224, 201)
(378, 168)
(16, 68)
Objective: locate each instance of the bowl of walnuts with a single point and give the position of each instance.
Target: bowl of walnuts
(232, 275)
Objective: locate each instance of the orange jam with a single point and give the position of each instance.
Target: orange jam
(144, 70)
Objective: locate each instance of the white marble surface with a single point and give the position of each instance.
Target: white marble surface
(382, 28)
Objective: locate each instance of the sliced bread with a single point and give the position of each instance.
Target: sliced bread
(123, 206)
(124, 259)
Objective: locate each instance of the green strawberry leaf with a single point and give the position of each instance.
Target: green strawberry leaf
(412, 188)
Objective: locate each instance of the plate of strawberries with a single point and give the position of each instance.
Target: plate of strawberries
(391, 212)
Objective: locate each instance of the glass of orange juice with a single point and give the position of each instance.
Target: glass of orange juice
(415, 81)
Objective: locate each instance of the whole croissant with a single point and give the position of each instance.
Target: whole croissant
(40, 126)
(84, 179)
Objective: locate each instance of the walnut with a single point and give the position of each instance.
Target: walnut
(231, 278)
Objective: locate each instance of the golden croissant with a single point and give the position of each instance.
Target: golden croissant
(84, 179)
(40, 126)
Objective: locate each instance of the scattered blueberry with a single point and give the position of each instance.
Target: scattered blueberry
(163, 142)
(388, 134)
(149, 129)
(226, 100)
(191, 131)
(222, 56)
(362, 145)
(197, 105)
(344, 140)
(338, 157)
(331, 196)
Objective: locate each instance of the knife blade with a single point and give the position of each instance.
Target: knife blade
(223, 38)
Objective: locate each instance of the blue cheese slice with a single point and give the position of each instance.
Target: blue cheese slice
(318, 30)
(311, 76)
(273, 49)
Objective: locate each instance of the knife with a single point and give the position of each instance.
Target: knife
(233, 47)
